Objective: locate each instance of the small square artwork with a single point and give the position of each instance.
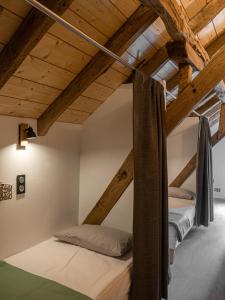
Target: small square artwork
(5, 192)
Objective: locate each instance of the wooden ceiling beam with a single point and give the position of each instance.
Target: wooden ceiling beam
(212, 48)
(33, 28)
(176, 22)
(206, 14)
(178, 110)
(141, 19)
(207, 79)
(62, 102)
(181, 52)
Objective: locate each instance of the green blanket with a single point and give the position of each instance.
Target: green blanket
(16, 284)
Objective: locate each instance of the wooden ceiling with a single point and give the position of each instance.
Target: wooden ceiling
(60, 55)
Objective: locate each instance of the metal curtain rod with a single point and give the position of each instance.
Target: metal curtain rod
(75, 30)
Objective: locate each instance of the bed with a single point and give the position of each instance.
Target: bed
(93, 275)
(181, 221)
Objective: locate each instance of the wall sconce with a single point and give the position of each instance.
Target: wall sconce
(26, 133)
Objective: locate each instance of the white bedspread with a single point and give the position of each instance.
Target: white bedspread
(95, 275)
(188, 208)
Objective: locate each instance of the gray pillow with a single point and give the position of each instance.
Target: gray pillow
(180, 193)
(101, 239)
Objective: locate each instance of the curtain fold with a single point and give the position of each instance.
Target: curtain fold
(204, 175)
(150, 216)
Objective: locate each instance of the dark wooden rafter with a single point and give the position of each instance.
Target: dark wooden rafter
(70, 94)
(179, 109)
(141, 19)
(33, 28)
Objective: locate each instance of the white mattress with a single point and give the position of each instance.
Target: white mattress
(97, 276)
(189, 211)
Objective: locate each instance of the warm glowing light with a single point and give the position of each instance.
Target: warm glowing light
(24, 143)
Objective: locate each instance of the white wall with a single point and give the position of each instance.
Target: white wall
(51, 165)
(106, 141)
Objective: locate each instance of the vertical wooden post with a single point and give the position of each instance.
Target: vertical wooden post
(185, 76)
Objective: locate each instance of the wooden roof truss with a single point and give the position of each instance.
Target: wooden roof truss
(190, 57)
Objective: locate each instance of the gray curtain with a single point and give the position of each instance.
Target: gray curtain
(150, 216)
(204, 176)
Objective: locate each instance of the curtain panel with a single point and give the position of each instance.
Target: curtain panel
(150, 216)
(204, 175)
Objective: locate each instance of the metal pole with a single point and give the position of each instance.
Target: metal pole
(75, 30)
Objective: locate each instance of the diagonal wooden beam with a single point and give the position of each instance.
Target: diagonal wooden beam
(179, 108)
(33, 28)
(62, 102)
(221, 130)
(142, 18)
(206, 14)
(191, 165)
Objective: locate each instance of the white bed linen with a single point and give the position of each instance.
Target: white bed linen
(189, 206)
(97, 276)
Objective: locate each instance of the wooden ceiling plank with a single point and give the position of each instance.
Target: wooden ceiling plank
(118, 44)
(178, 110)
(73, 116)
(207, 13)
(29, 33)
